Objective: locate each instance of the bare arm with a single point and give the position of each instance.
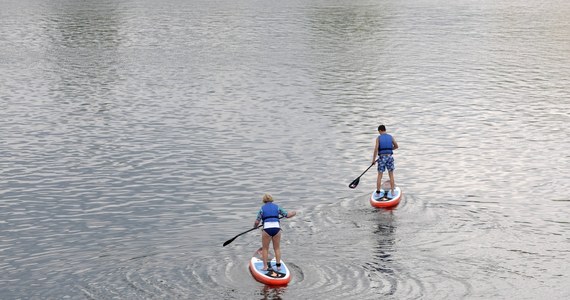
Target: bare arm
(257, 219)
(375, 155)
(394, 144)
(291, 214)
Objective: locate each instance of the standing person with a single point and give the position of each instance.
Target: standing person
(269, 213)
(383, 150)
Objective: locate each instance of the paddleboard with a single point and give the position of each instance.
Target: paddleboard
(386, 199)
(272, 276)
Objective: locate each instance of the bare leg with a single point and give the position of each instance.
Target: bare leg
(265, 239)
(379, 181)
(277, 247)
(392, 183)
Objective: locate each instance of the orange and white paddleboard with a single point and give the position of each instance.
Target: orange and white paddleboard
(272, 276)
(386, 199)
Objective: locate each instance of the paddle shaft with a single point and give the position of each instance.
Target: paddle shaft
(254, 228)
(355, 182)
(367, 169)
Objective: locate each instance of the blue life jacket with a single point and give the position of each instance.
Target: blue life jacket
(385, 144)
(270, 212)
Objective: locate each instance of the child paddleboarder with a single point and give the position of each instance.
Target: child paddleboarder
(383, 150)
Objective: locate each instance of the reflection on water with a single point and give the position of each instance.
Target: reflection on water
(272, 293)
(382, 263)
(386, 243)
(138, 136)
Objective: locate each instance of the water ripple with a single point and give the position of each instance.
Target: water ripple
(137, 137)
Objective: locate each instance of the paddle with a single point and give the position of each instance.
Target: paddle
(232, 239)
(355, 182)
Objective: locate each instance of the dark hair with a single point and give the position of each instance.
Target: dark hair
(381, 128)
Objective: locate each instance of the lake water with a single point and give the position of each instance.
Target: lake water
(137, 136)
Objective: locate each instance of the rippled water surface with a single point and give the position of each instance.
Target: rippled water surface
(137, 136)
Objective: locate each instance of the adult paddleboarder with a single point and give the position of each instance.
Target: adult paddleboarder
(269, 214)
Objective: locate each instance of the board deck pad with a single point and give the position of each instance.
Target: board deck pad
(273, 272)
(386, 195)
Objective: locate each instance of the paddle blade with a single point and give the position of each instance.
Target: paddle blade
(228, 242)
(354, 183)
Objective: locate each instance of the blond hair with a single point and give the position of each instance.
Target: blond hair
(267, 198)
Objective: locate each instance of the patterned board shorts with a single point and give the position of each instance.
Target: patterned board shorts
(385, 162)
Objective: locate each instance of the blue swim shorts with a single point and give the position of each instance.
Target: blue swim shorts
(385, 162)
(272, 231)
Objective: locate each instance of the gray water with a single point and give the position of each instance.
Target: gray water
(137, 136)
